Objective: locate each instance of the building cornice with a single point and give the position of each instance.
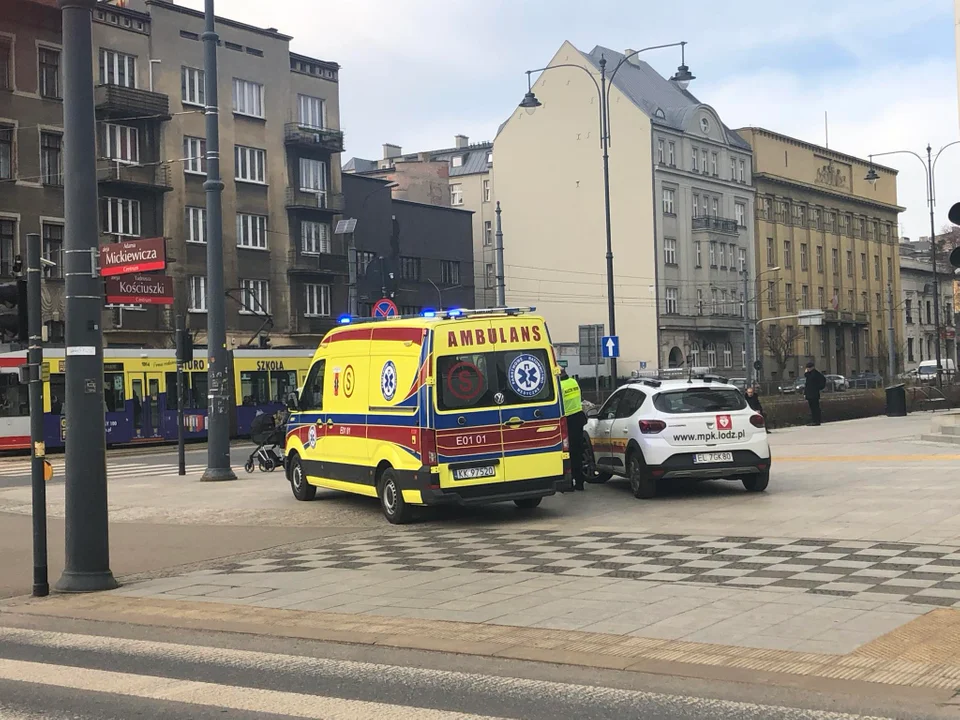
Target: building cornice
(815, 148)
(855, 199)
(221, 20)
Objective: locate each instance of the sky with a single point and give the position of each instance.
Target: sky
(417, 72)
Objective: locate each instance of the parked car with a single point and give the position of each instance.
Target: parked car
(836, 383)
(793, 386)
(866, 380)
(739, 383)
(927, 370)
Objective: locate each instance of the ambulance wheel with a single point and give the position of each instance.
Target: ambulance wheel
(395, 508)
(302, 490)
(527, 503)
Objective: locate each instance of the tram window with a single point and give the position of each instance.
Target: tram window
(58, 391)
(282, 383)
(172, 389)
(113, 392)
(254, 388)
(14, 397)
(197, 394)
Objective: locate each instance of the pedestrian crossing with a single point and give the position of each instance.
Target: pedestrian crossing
(118, 471)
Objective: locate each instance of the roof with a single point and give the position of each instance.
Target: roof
(816, 148)
(663, 101)
(269, 32)
(359, 165)
(306, 58)
(474, 160)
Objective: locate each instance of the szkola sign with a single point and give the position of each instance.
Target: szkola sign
(140, 290)
(135, 256)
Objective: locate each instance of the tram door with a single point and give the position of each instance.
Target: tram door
(148, 404)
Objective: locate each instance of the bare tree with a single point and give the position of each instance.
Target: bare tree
(780, 342)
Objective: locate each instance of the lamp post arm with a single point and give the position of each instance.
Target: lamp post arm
(579, 67)
(923, 162)
(933, 175)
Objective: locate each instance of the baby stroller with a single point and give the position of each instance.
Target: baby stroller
(268, 432)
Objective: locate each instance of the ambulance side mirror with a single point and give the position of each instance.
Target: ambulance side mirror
(292, 402)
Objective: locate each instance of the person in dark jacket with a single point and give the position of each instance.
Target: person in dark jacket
(753, 401)
(815, 384)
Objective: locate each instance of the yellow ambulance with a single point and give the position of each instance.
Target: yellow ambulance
(456, 407)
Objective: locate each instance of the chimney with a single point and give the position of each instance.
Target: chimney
(391, 151)
(634, 59)
(460, 141)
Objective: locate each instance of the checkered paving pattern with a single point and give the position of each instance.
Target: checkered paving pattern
(890, 572)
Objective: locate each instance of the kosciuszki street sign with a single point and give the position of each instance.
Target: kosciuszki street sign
(140, 290)
(135, 256)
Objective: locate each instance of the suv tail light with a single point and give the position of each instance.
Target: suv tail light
(428, 447)
(757, 421)
(565, 434)
(652, 427)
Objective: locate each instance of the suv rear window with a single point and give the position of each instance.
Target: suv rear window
(699, 400)
(473, 380)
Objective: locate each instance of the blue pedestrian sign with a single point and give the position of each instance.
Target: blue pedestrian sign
(610, 346)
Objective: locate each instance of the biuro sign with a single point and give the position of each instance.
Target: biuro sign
(472, 337)
(135, 256)
(140, 290)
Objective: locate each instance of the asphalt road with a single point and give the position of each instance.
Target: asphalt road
(92, 674)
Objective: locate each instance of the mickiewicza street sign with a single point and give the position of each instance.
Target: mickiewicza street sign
(135, 256)
(140, 290)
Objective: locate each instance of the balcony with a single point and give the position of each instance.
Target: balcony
(309, 200)
(156, 177)
(861, 318)
(298, 135)
(124, 102)
(715, 224)
(332, 263)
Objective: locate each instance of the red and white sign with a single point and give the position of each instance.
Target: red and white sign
(724, 422)
(140, 290)
(135, 256)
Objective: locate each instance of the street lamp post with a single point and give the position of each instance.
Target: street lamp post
(929, 167)
(751, 348)
(531, 103)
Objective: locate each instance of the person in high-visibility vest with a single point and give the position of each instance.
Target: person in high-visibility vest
(576, 421)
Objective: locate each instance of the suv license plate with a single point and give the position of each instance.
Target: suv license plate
(700, 458)
(474, 473)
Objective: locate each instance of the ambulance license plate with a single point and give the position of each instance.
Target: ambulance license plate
(701, 458)
(473, 473)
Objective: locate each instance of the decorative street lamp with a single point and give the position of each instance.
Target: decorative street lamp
(530, 103)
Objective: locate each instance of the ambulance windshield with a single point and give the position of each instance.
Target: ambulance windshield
(485, 380)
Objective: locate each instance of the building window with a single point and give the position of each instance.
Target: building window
(672, 303)
(806, 341)
(724, 307)
(741, 213)
(876, 267)
(486, 191)
(703, 161)
(889, 270)
(787, 254)
(771, 252)
(743, 171)
(198, 293)
(742, 259)
(6, 64)
(861, 227)
(819, 258)
(318, 300)
(487, 233)
(195, 155)
(908, 310)
(723, 256)
(713, 254)
(121, 143)
(712, 355)
(850, 303)
(196, 221)
(191, 86)
(8, 231)
(670, 251)
(449, 272)
(863, 266)
(804, 264)
(255, 295)
(311, 112)
(696, 205)
(733, 168)
(252, 231)
(121, 217)
(490, 275)
(910, 350)
(6, 152)
(849, 263)
(313, 175)
(490, 158)
(699, 251)
(804, 297)
(835, 256)
(713, 164)
(314, 237)
(699, 302)
(456, 161)
(817, 219)
(714, 301)
(879, 304)
(456, 194)
(695, 354)
(864, 302)
(364, 258)
(410, 268)
(821, 304)
(672, 154)
(799, 215)
(53, 250)
(716, 207)
(771, 295)
(727, 355)
(49, 61)
(247, 98)
(51, 158)
(782, 212)
(249, 163)
(788, 294)
(669, 197)
(695, 156)
(118, 68)
(660, 151)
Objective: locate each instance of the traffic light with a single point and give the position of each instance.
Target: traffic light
(184, 346)
(13, 310)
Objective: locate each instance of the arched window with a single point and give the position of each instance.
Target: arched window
(695, 354)
(728, 355)
(712, 355)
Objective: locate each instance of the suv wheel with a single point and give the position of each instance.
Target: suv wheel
(758, 482)
(641, 480)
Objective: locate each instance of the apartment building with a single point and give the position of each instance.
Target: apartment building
(916, 306)
(680, 193)
(285, 271)
(826, 240)
(459, 177)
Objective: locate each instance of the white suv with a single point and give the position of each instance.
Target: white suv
(700, 429)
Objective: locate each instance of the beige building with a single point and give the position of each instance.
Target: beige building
(833, 236)
(461, 177)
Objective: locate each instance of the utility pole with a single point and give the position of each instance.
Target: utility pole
(41, 581)
(181, 338)
(747, 345)
(501, 275)
(891, 346)
(933, 258)
(218, 366)
(87, 558)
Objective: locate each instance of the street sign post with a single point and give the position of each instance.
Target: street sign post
(610, 346)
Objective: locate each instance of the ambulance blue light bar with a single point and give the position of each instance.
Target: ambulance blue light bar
(344, 319)
(438, 315)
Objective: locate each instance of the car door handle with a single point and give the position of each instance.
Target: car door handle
(329, 423)
(513, 423)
